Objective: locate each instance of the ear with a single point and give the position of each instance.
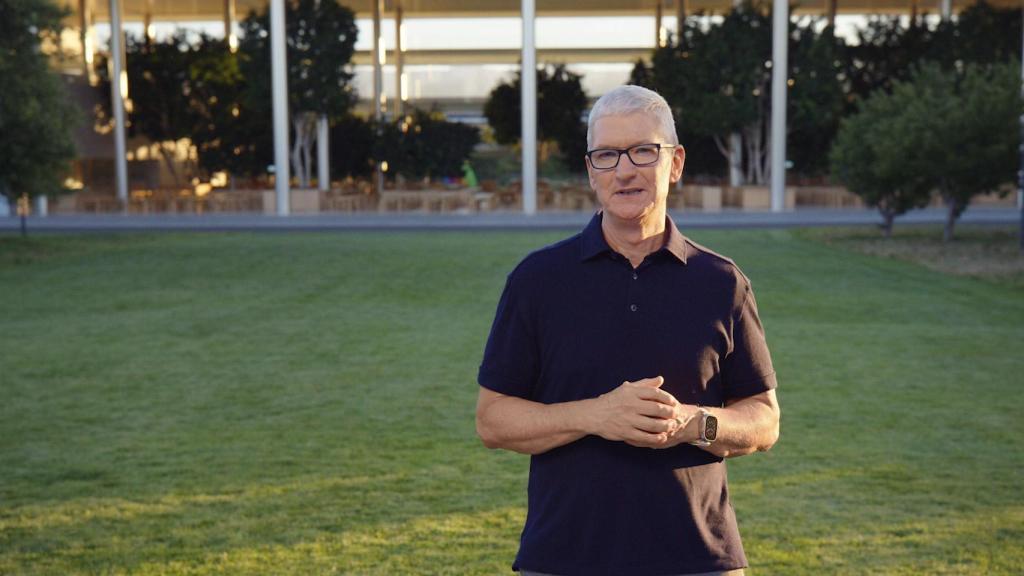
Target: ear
(678, 161)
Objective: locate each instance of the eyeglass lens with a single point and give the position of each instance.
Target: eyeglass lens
(639, 155)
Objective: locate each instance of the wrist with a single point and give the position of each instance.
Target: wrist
(706, 428)
(686, 424)
(588, 416)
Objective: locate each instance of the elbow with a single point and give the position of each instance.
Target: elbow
(770, 440)
(494, 440)
(489, 442)
(486, 434)
(772, 434)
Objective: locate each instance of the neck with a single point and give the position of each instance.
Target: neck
(635, 239)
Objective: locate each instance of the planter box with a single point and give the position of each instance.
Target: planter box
(993, 198)
(300, 201)
(65, 204)
(705, 198)
(427, 200)
(760, 198)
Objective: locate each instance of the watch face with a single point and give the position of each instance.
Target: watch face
(710, 428)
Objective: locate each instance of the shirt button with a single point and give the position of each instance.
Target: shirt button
(632, 307)
(635, 276)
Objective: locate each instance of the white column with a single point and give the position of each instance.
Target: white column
(88, 38)
(118, 83)
(529, 110)
(378, 89)
(946, 9)
(279, 84)
(147, 21)
(735, 159)
(378, 64)
(229, 25)
(780, 68)
(42, 205)
(323, 162)
(736, 141)
(398, 60)
(682, 8)
(657, 25)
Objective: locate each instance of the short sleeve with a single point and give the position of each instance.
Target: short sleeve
(747, 370)
(511, 364)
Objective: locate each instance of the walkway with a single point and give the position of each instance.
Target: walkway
(484, 221)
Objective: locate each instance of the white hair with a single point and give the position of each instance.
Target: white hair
(626, 100)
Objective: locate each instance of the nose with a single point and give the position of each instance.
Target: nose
(626, 169)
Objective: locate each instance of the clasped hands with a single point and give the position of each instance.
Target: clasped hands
(641, 414)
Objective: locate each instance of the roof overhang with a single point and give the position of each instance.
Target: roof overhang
(213, 10)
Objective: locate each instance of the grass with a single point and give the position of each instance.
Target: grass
(246, 403)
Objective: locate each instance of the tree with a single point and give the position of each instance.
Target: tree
(184, 88)
(940, 130)
(869, 153)
(36, 118)
(425, 145)
(981, 34)
(228, 129)
(816, 100)
(355, 157)
(157, 79)
(703, 158)
(886, 52)
(967, 129)
(717, 79)
(321, 36)
(560, 105)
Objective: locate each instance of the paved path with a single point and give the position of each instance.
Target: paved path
(483, 221)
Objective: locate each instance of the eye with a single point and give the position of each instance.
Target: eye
(644, 152)
(604, 156)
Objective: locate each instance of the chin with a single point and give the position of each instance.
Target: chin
(629, 212)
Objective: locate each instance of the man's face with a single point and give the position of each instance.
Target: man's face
(631, 192)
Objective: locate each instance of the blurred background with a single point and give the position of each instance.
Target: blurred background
(428, 116)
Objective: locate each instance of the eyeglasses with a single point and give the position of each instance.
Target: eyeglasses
(639, 155)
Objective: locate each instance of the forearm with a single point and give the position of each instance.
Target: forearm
(532, 427)
(748, 426)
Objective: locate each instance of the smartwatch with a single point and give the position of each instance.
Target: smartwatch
(707, 428)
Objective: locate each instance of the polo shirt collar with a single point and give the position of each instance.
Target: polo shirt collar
(676, 242)
(593, 242)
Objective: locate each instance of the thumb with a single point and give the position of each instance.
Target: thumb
(655, 382)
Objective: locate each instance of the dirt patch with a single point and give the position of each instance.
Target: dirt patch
(986, 252)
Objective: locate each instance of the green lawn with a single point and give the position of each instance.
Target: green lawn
(303, 403)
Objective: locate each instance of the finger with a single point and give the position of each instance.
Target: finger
(645, 440)
(657, 395)
(656, 409)
(654, 425)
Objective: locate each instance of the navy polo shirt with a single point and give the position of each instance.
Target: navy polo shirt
(575, 321)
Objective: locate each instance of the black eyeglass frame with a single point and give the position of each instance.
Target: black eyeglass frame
(626, 151)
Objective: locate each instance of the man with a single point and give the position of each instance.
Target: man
(628, 361)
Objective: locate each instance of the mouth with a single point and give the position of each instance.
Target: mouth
(629, 192)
